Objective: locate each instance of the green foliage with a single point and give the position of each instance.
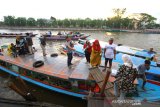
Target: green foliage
(2, 23)
(119, 12)
(31, 22)
(147, 21)
(117, 21)
(42, 22)
(21, 21)
(9, 20)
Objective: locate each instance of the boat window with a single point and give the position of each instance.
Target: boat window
(8, 65)
(59, 82)
(21, 70)
(28, 72)
(39, 76)
(15, 68)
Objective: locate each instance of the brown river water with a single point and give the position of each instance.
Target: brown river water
(137, 40)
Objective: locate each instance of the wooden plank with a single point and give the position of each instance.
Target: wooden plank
(97, 75)
(99, 78)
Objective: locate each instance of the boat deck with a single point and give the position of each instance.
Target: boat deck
(53, 66)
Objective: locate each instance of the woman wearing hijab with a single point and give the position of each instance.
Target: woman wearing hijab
(125, 77)
(95, 59)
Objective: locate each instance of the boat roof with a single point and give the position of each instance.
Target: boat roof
(53, 66)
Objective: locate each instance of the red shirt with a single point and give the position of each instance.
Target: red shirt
(89, 48)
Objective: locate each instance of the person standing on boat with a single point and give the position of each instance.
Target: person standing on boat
(22, 50)
(70, 48)
(109, 53)
(141, 71)
(43, 44)
(29, 43)
(87, 50)
(50, 33)
(17, 41)
(95, 59)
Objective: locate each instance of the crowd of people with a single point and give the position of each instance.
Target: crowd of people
(24, 45)
(127, 72)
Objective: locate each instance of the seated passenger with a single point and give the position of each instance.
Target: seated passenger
(9, 51)
(59, 33)
(151, 51)
(14, 50)
(153, 56)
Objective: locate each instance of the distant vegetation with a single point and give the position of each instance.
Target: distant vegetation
(117, 21)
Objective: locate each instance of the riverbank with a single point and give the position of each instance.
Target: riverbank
(68, 29)
(50, 28)
(150, 31)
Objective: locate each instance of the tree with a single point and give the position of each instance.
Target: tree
(119, 12)
(31, 22)
(66, 23)
(59, 23)
(52, 18)
(53, 21)
(146, 20)
(21, 21)
(42, 22)
(117, 20)
(1, 23)
(9, 20)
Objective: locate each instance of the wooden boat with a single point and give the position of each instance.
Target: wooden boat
(8, 35)
(54, 75)
(63, 37)
(57, 37)
(152, 75)
(151, 31)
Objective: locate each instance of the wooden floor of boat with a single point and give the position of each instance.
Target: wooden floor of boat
(54, 66)
(99, 77)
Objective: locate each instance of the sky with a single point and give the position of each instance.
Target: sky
(62, 9)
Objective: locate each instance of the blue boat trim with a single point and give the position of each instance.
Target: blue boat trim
(43, 85)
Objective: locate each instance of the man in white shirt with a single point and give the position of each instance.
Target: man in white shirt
(109, 53)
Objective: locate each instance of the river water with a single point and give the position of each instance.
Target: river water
(137, 40)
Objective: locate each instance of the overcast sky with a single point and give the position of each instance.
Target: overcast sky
(76, 8)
